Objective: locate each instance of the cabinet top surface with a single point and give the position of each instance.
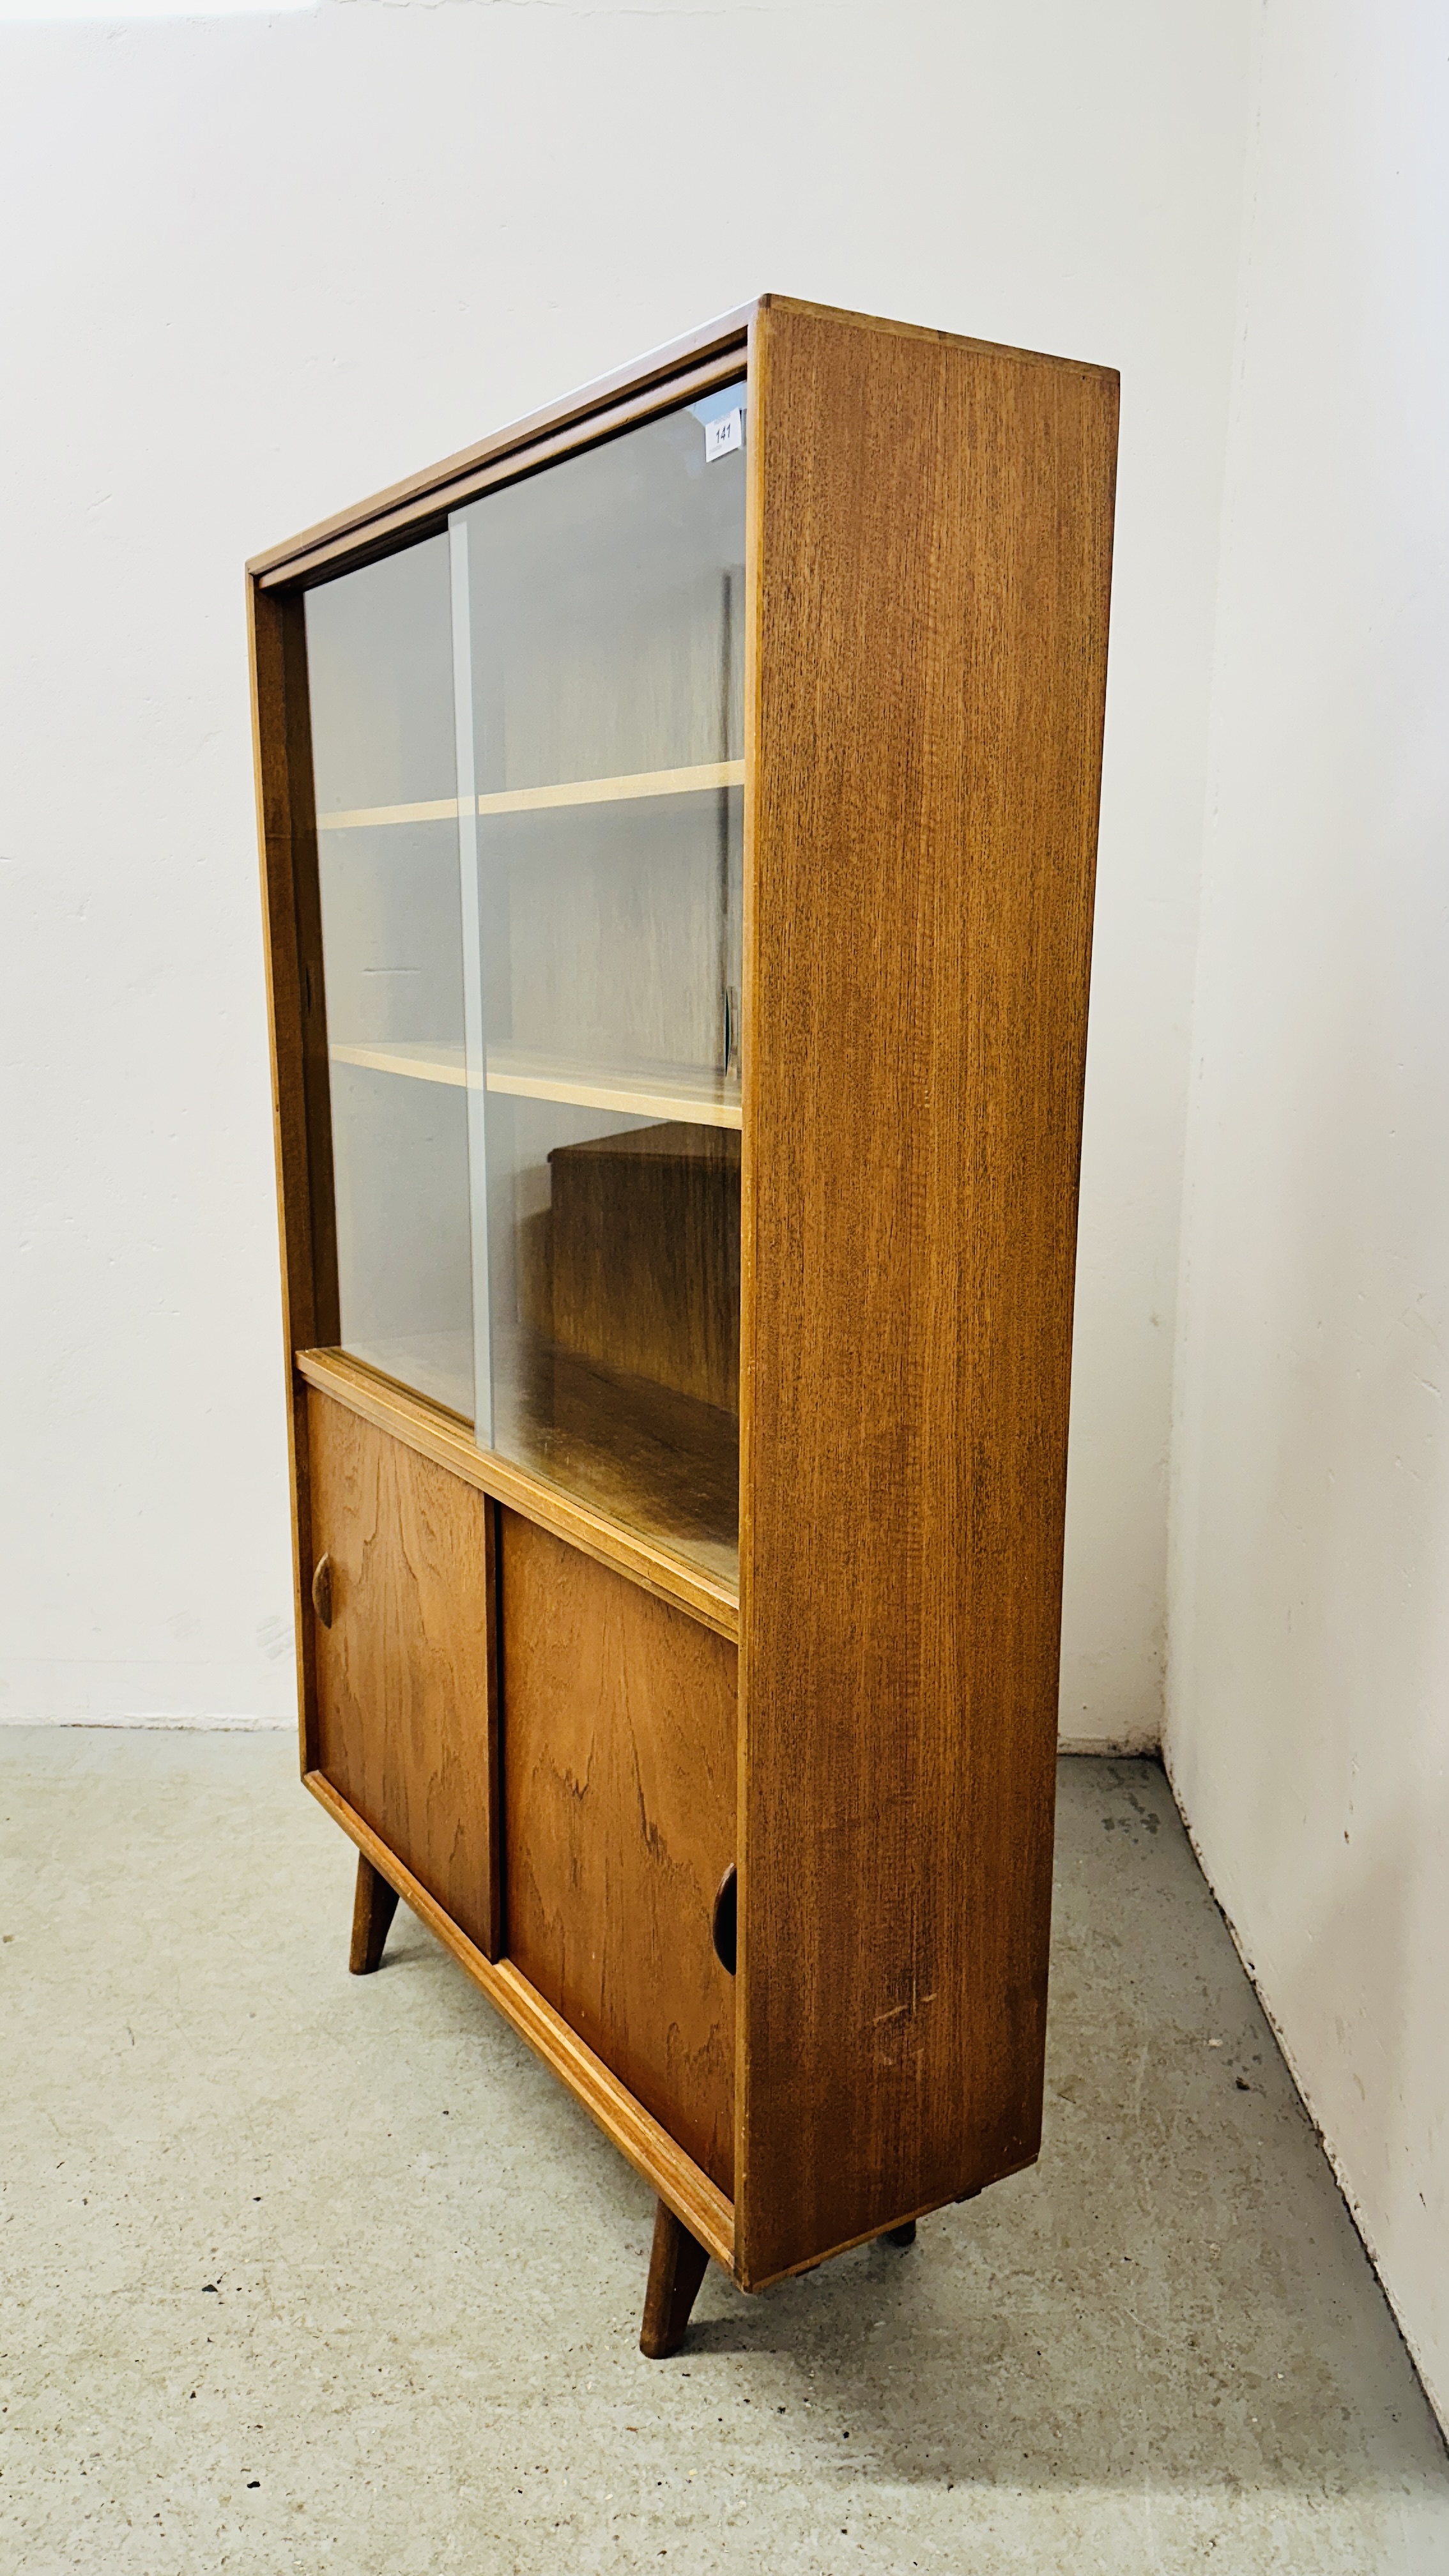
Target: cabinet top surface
(386, 515)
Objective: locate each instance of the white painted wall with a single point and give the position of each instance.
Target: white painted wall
(256, 268)
(1308, 1731)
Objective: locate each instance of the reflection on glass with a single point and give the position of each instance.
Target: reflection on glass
(380, 682)
(528, 757)
(601, 772)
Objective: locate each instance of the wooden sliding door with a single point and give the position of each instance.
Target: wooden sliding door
(406, 1725)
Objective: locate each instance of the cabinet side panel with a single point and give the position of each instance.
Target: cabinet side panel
(619, 1726)
(300, 1111)
(407, 1729)
(933, 548)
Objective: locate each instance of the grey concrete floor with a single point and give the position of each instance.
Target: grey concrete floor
(305, 2272)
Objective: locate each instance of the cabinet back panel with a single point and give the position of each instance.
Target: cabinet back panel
(619, 1732)
(406, 1691)
(932, 555)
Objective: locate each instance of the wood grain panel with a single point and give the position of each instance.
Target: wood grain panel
(619, 1726)
(407, 1728)
(931, 542)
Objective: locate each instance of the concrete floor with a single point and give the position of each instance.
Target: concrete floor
(301, 2271)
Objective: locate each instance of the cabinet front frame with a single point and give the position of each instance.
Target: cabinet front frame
(276, 584)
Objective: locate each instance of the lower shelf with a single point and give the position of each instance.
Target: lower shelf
(659, 1463)
(654, 2155)
(655, 1565)
(664, 1464)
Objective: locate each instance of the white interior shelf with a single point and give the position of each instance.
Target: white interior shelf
(690, 1093)
(633, 788)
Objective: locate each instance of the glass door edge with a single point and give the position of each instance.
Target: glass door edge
(475, 1054)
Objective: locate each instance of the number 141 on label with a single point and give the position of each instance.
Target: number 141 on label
(724, 435)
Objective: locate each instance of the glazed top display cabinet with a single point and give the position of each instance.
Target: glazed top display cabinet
(679, 820)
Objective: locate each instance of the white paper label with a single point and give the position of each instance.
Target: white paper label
(721, 437)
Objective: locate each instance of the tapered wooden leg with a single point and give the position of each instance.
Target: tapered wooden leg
(676, 2267)
(373, 1908)
(901, 2235)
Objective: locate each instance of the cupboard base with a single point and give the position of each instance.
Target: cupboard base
(692, 2212)
(671, 2175)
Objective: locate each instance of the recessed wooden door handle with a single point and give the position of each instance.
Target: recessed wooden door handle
(725, 1926)
(322, 1590)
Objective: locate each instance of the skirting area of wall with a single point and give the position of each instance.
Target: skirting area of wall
(1132, 1745)
(1302, 2085)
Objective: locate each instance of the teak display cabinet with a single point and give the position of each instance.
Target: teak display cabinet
(679, 822)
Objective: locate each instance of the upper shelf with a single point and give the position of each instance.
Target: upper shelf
(700, 1098)
(531, 800)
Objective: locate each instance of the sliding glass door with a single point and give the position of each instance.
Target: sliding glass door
(528, 741)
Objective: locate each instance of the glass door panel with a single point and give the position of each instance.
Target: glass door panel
(380, 683)
(598, 607)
